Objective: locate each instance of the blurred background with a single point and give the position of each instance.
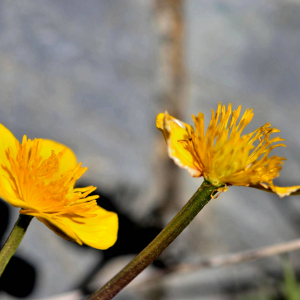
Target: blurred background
(93, 75)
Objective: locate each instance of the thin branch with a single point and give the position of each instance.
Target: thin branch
(223, 260)
(240, 257)
(218, 261)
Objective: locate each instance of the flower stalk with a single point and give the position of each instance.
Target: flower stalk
(202, 196)
(14, 240)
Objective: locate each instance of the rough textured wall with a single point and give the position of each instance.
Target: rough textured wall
(84, 73)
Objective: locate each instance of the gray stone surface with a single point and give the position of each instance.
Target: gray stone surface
(83, 73)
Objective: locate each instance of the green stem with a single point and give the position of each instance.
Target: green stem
(158, 245)
(13, 241)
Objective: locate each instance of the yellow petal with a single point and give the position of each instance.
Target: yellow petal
(7, 138)
(57, 227)
(286, 191)
(68, 160)
(8, 194)
(160, 124)
(178, 136)
(280, 191)
(98, 231)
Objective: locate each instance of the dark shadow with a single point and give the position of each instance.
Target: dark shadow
(19, 277)
(4, 217)
(132, 239)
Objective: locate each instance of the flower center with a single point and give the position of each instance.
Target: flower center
(38, 181)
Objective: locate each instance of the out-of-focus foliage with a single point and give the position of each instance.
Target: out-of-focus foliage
(288, 290)
(291, 287)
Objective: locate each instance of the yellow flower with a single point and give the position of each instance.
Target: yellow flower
(39, 177)
(222, 155)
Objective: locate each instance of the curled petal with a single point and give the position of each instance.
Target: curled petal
(286, 191)
(178, 136)
(280, 191)
(160, 119)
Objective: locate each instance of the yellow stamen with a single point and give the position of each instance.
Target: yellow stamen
(222, 155)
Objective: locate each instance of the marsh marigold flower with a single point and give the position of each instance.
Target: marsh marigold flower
(222, 155)
(39, 177)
